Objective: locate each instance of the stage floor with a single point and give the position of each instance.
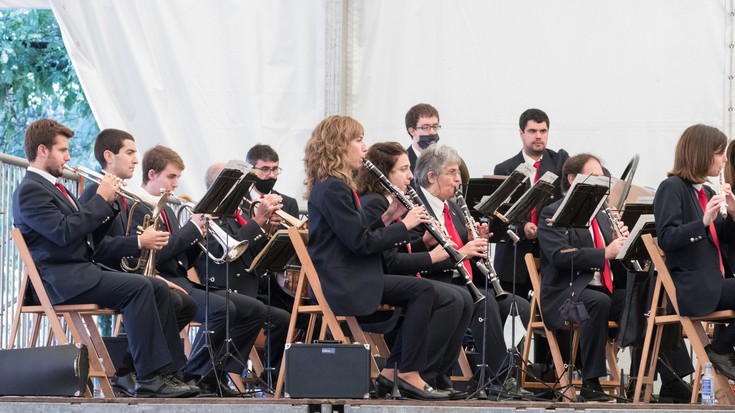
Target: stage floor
(232, 405)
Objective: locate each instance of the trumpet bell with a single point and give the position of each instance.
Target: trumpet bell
(235, 250)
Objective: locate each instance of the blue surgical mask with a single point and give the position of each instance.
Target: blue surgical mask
(427, 140)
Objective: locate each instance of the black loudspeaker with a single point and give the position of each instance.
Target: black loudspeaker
(327, 370)
(44, 371)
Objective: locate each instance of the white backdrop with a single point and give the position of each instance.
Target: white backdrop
(212, 78)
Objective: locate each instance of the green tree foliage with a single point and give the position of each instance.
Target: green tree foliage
(37, 80)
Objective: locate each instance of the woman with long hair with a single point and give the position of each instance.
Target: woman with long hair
(692, 234)
(345, 249)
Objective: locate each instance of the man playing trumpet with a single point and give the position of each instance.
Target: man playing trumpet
(115, 150)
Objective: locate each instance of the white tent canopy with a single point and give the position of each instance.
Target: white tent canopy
(210, 79)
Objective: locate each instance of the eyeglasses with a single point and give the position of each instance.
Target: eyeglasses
(264, 169)
(452, 172)
(427, 128)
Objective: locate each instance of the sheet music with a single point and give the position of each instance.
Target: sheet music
(489, 204)
(537, 194)
(635, 234)
(589, 180)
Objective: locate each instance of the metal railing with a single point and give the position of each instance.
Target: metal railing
(12, 171)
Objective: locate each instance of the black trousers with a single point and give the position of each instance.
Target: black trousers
(246, 316)
(419, 299)
(150, 321)
(497, 312)
(446, 329)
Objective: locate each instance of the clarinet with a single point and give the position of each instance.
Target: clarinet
(484, 264)
(616, 228)
(432, 227)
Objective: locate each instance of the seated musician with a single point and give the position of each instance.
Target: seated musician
(62, 233)
(115, 150)
(693, 235)
(162, 168)
(345, 250)
(452, 316)
(437, 176)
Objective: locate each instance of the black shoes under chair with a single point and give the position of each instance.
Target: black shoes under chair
(385, 386)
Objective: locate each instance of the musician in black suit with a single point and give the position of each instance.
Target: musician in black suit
(693, 235)
(115, 150)
(162, 168)
(345, 250)
(534, 131)
(437, 177)
(422, 125)
(455, 305)
(61, 234)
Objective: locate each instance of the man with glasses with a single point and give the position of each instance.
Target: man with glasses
(422, 125)
(265, 287)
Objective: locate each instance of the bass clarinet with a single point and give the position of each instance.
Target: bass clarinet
(432, 227)
(484, 264)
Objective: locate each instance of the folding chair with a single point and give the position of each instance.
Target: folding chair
(664, 293)
(78, 318)
(563, 373)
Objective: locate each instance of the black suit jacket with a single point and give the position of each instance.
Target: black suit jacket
(174, 260)
(345, 248)
(399, 260)
(691, 255)
(60, 237)
(551, 162)
(565, 250)
(115, 245)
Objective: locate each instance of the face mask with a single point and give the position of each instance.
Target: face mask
(264, 186)
(427, 140)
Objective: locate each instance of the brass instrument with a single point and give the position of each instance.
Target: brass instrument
(434, 227)
(136, 194)
(485, 265)
(288, 219)
(147, 259)
(232, 249)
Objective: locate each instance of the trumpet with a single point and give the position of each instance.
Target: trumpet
(485, 265)
(288, 219)
(433, 227)
(723, 205)
(232, 249)
(138, 195)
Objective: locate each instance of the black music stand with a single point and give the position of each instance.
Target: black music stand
(632, 212)
(479, 189)
(532, 199)
(278, 254)
(488, 206)
(223, 198)
(633, 249)
(577, 210)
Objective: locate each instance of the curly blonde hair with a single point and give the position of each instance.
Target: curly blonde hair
(326, 151)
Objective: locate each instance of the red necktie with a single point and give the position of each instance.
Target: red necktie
(165, 221)
(702, 197)
(454, 236)
(66, 194)
(240, 219)
(534, 212)
(125, 204)
(606, 279)
(357, 198)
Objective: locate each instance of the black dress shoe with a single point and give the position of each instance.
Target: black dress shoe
(383, 386)
(723, 363)
(124, 384)
(427, 393)
(675, 391)
(161, 386)
(592, 391)
(209, 388)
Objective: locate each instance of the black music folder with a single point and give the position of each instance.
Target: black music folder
(226, 192)
(277, 254)
(488, 205)
(633, 248)
(482, 188)
(632, 212)
(581, 202)
(533, 198)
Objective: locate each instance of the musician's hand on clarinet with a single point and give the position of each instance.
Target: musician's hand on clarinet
(530, 230)
(152, 239)
(415, 217)
(438, 254)
(476, 248)
(612, 249)
(429, 240)
(712, 209)
(623, 229)
(482, 230)
(395, 210)
(108, 187)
